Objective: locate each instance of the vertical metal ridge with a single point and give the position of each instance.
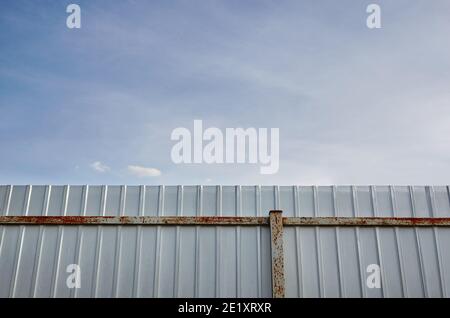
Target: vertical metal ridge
(338, 245)
(158, 243)
(437, 243)
(258, 241)
(79, 245)
(218, 236)
(418, 245)
(118, 252)
(116, 243)
(37, 259)
(318, 244)
(6, 207)
(138, 250)
(298, 257)
(399, 248)
(238, 206)
(99, 244)
(276, 191)
(176, 290)
(448, 197)
(18, 254)
(199, 207)
(60, 235)
(7, 202)
(358, 242)
(377, 237)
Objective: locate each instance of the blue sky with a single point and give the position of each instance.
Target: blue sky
(354, 105)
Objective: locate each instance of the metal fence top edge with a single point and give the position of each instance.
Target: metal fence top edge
(225, 185)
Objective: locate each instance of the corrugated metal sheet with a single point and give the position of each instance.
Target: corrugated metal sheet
(196, 261)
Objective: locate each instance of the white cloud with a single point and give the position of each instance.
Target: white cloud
(143, 171)
(99, 167)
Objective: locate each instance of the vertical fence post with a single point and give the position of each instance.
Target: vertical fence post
(276, 236)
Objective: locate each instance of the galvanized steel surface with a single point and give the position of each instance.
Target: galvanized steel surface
(222, 261)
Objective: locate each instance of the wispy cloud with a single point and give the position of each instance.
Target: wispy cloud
(99, 167)
(142, 172)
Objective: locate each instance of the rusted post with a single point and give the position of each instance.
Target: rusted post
(276, 235)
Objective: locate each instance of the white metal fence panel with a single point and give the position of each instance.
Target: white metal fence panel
(222, 261)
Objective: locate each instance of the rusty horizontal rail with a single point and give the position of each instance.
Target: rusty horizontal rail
(132, 220)
(223, 220)
(365, 221)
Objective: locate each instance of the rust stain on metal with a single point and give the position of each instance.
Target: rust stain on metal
(221, 220)
(365, 221)
(131, 220)
(276, 234)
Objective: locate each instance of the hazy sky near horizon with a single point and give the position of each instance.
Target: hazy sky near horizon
(353, 105)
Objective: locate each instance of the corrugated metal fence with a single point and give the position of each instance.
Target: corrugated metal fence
(323, 256)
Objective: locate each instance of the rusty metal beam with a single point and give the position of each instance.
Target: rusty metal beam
(131, 220)
(216, 220)
(276, 236)
(365, 221)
